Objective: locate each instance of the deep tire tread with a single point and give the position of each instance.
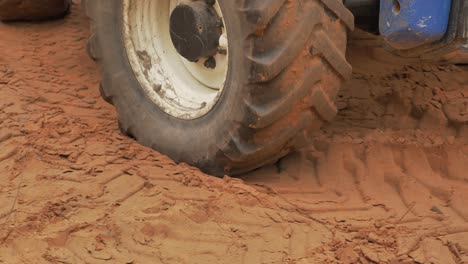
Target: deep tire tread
(272, 67)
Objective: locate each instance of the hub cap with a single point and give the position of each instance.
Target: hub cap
(195, 30)
(178, 52)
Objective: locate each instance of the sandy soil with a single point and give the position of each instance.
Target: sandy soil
(387, 182)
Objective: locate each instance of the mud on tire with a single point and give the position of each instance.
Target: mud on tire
(288, 62)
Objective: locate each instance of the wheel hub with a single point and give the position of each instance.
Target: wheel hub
(195, 30)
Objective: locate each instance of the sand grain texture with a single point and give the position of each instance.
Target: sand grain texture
(386, 182)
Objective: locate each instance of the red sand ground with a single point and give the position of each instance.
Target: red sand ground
(387, 182)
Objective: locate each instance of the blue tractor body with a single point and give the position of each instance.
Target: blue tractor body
(408, 24)
(424, 27)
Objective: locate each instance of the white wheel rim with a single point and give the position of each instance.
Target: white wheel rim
(180, 88)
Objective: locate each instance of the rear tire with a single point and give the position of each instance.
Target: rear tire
(287, 63)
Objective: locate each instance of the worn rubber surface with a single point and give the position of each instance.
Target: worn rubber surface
(13, 10)
(288, 62)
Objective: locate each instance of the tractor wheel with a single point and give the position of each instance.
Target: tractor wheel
(12, 10)
(227, 86)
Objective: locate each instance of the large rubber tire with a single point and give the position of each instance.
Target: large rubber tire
(287, 63)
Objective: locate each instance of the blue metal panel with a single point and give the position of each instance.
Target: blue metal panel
(408, 24)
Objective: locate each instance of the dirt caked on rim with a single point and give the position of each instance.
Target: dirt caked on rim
(184, 87)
